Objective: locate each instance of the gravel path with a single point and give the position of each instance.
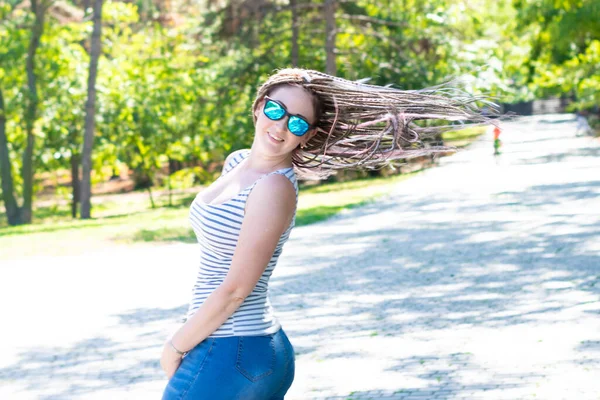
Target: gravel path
(479, 279)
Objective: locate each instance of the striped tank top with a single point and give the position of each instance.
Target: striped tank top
(217, 228)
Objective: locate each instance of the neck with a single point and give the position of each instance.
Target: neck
(265, 164)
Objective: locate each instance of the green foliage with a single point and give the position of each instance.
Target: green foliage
(463, 137)
(132, 222)
(179, 86)
(13, 51)
(64, 62)
(187, 178)
(320, 213)
(564, 38)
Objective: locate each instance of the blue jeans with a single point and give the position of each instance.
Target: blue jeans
(235, 368)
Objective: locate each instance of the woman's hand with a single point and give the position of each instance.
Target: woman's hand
(170, 360)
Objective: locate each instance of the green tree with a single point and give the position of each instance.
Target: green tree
(563, 37)
(34, 25)
(13, 48)
(39, 9)
(65, 61)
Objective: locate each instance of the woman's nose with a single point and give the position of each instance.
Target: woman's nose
(281, 125)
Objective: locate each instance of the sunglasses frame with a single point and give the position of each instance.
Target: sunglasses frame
(286, 114)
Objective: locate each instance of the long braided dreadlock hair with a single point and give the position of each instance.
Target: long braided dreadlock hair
(367, 126)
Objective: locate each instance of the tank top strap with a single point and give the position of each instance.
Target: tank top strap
(234, 161)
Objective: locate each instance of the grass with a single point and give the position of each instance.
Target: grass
(126, 219)
(320, 213)
(58, 234)
(463, 137)
(321, 202)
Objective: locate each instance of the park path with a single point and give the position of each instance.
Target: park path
(479, 279)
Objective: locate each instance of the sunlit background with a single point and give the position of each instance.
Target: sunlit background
(461, 277)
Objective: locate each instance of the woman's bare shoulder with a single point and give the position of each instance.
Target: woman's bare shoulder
(275, 192)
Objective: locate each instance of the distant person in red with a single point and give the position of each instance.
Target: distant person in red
(497, 142)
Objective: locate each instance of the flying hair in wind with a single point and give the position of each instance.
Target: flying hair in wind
(368, 126)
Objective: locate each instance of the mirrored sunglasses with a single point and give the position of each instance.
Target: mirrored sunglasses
(275, 111)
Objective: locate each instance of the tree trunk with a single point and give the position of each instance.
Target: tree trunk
(90, 114)
(152, 204)
(174, 166)
(75, 183)
(10, 204)
(330, 31)
(170, 191)
(39, 10)
(293, 4)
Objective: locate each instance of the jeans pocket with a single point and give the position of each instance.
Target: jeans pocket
(255, 356)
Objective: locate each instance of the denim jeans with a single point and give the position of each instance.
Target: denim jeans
(235, 368)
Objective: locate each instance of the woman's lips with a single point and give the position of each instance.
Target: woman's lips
(275, 139)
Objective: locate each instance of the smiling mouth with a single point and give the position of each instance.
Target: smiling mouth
(275, 137)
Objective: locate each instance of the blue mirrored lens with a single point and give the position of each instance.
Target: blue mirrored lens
(297, 125)
(273, 110)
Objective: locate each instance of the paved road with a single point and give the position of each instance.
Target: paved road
(476, 280)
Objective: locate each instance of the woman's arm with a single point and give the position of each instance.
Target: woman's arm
(269, 211)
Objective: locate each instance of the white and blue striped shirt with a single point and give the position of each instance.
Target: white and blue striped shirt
(217, 228)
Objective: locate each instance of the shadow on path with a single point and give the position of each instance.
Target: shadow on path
(478, 264)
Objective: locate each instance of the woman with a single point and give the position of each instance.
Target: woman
(308, 123)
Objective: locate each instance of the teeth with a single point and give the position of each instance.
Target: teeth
(276, 138)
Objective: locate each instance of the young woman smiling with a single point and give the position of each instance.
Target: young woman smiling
(306, 124)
